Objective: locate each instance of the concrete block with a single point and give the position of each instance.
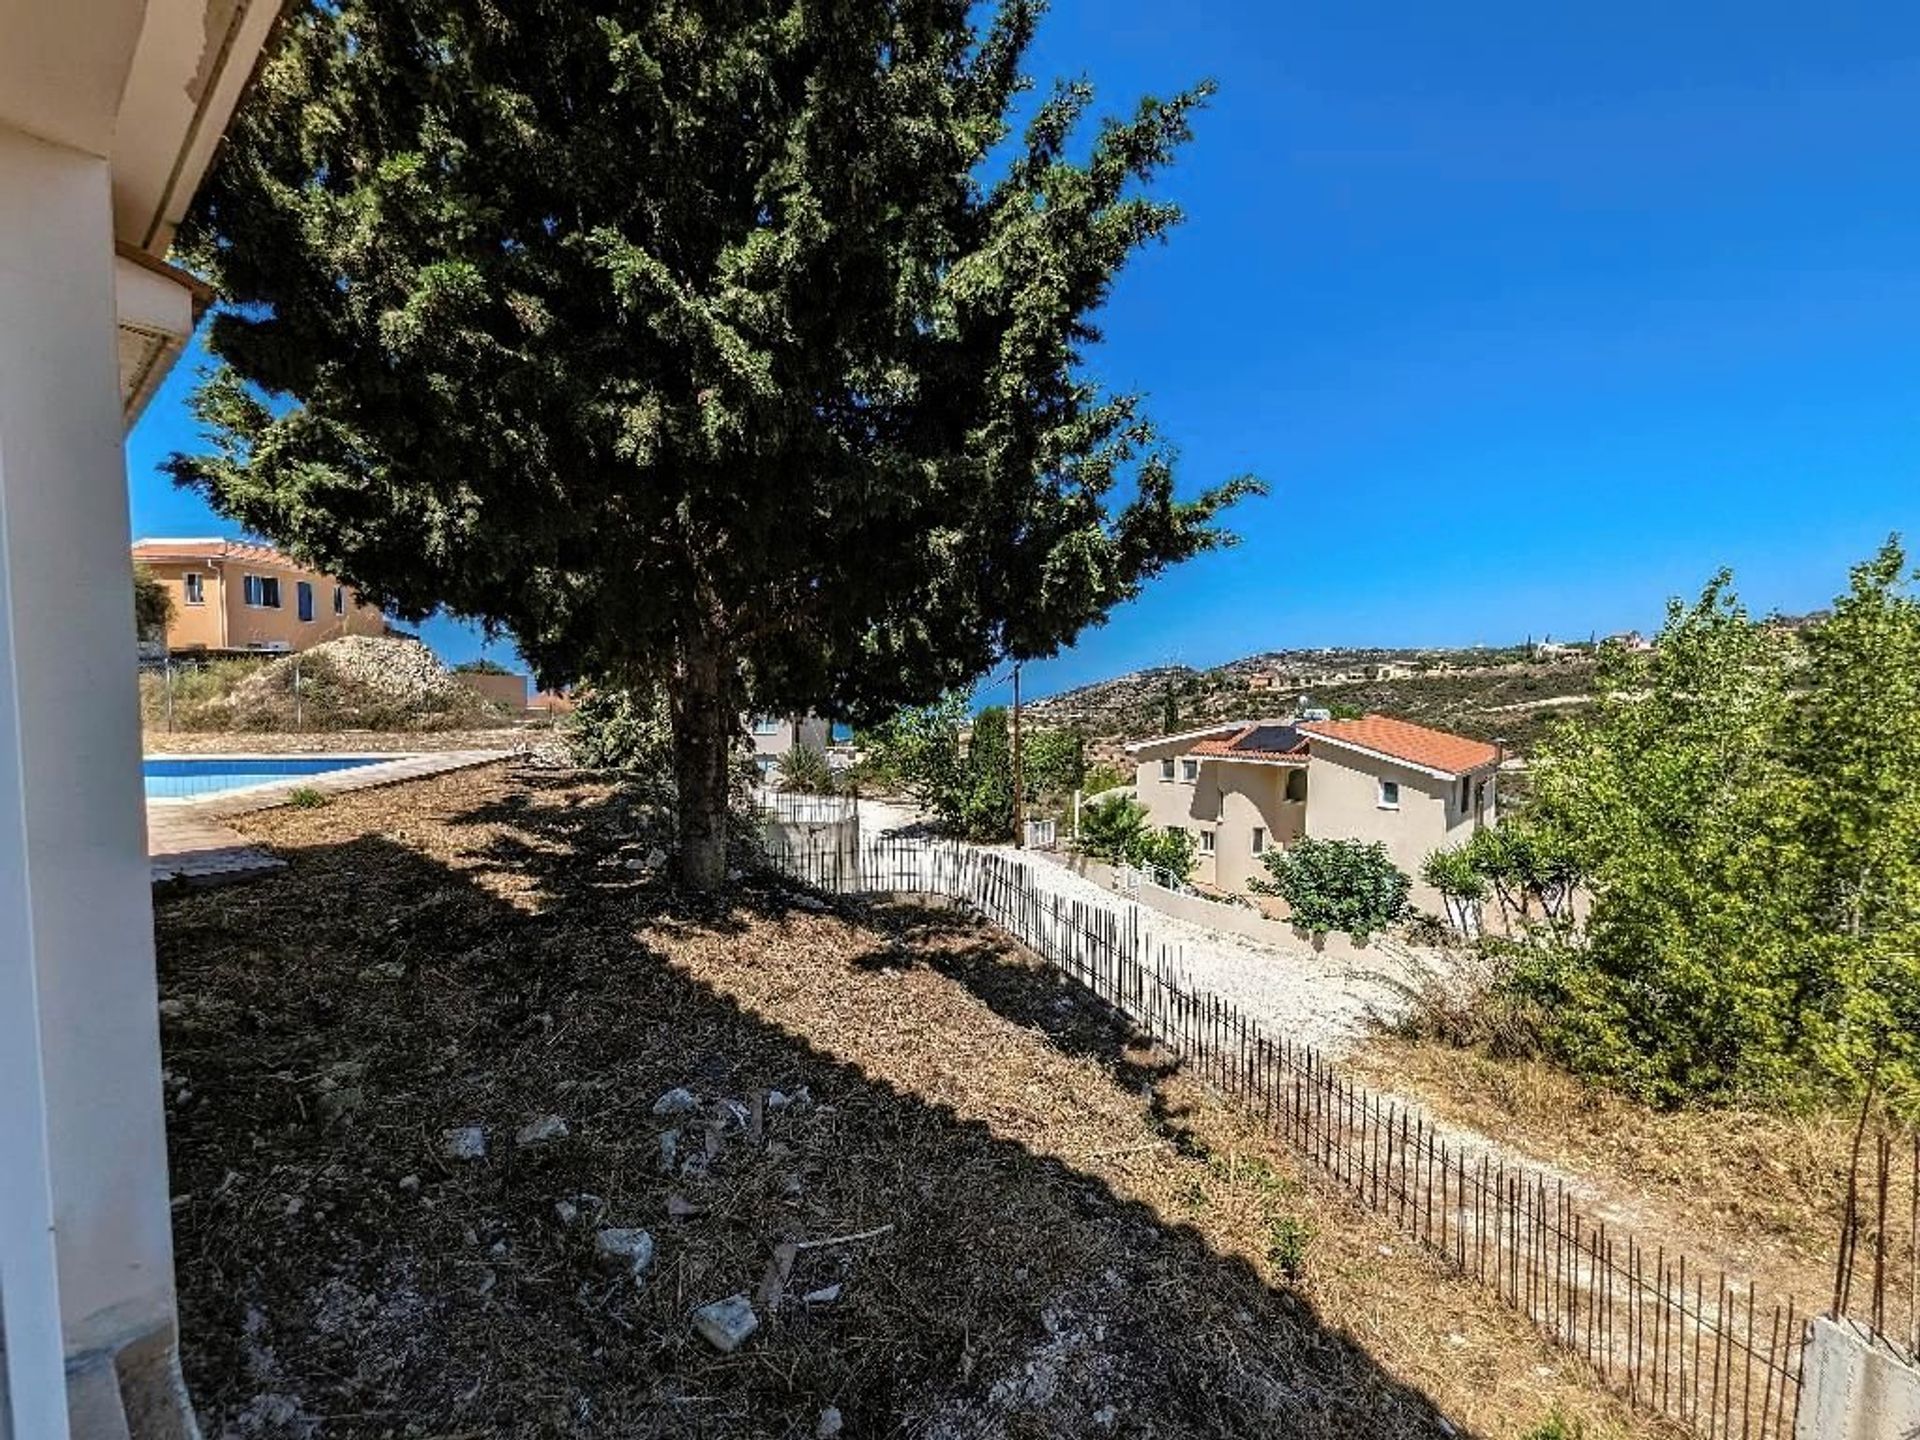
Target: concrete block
(1853, 1389)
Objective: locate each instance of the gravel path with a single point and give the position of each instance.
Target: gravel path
(1326, 1000)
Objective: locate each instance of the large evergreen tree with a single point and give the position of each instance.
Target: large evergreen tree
(719, 343)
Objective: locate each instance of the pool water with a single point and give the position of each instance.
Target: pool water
(210, 774)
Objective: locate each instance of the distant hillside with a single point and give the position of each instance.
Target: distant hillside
(1508, 694)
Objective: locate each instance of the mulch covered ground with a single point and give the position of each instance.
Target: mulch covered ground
(984, 1210)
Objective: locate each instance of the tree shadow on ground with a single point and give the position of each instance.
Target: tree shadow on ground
(342, 1274)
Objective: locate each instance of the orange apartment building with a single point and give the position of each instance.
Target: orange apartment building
(234, 595)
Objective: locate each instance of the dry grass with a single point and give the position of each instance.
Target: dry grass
(1073, 1238)
(1757, 1192)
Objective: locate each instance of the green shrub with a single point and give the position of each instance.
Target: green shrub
(805, 770)
(1287, 1241)
(1168, 850)
(305, 797)
(624, 730)
(1337, 885)
(1110, 828)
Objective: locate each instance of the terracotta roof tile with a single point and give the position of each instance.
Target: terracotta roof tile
(1403, 740)
(245, 551)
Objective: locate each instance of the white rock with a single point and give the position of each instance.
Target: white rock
(726, 1324)
(565, 1211)
(1106, 1417)
(541, 1130)
(677, 1101)
(410, 1184)
(829, 1424)
(825, 1295)
(468, 1142)
(669, 1150)
(732, 1111)
(632, 1247)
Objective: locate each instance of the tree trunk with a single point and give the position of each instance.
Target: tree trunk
(703, 732)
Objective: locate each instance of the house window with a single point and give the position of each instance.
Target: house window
(1297, 786)
(1189, 769)
(1466, 792)
(766, 724)
(1259, 840)
(1166, 769)
(1206, 842)
(194, 586)
(339, 599)
(1389, 794)
(261, 591)
(303, 597)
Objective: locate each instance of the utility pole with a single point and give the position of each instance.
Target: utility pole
(1019, 778)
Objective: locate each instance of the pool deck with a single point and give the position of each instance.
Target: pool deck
(187, 844)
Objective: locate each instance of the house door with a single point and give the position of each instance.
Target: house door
(306, 600)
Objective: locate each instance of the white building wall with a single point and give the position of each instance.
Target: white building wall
(76, 925)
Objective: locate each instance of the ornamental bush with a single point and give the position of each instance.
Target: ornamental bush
(1337, 885)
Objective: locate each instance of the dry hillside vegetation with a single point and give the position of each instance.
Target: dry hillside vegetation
(1758, 1192)
(1008, 1218)
(358, 682)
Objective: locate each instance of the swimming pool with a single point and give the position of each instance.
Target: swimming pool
(186, 778)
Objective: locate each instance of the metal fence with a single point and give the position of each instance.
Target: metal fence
(1669, 1335)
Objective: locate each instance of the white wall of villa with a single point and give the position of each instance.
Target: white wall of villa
(109, 114)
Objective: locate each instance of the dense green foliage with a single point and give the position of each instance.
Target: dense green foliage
(1337, 885)
(1746, 807)
(152, 605)
(986, 798)
(629, 731)
(1112, 827)
(805, 769)
(1115, 830)
(481, 666)
(735, 347)
(1168, 851)
(1527, 868)
(918, 751)
(1463, 889)
(1053, 762)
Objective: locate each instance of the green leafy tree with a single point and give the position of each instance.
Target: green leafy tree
(986, 813)
(1110, 828)
(1054, 761)
(734, 347)
(1675, 797)
(1104, 777)
(1167, 850)
(629, 731)
(1337, 885)
(916, 750)
(152, 604)
(1854, 749)
(1463, 889)
(1169, 712)
(1523, 865)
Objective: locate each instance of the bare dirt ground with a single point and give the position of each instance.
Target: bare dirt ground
(1754, 1194)
(1036, 1227)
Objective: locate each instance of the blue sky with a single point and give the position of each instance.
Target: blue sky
(1530, 315)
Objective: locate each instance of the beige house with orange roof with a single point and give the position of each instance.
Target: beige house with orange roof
(234, 595)
(1242, 788)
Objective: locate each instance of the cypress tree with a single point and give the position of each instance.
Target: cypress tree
(731, 345)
